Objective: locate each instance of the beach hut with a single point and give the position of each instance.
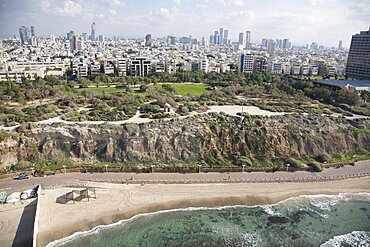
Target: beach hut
(87, 193)
(73, 195)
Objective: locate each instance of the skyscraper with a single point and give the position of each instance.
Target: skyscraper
(248, 36)
(340, 45)
(248, 45)
(76, 43)
(148, 40)
(286, 44)
(241, 39)
(216, 38)
(93, 32)
(226, 37)
(221, 40)
(358, 62)
(264, 42)
(70, 35)
(271, 45)
(33, 31)
(24, 35)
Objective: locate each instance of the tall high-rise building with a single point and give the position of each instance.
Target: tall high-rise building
(340, 45)
(93, 32)
(171, 40)
(248, 36)
(76, 43)
(148, 40)
(241, 39)
(221, 40)
(101, 37)
(33, 31)
(70, 35)
(24, 35)
(314, 46)
(264, 42)
(246, 63)
(358, 62)
(248, 45)
(271, 46)
(85, 36)
(226, 37)
(216, 38)
(211, 39)
(286, 44)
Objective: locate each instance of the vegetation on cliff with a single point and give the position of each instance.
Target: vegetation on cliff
(211, 140)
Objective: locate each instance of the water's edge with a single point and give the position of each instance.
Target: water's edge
(265, 207)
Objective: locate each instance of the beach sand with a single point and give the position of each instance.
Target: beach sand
(119, 201)
(16, 223)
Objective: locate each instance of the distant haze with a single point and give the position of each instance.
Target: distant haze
(302, 21)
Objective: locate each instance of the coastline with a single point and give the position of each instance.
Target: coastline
(116, 202)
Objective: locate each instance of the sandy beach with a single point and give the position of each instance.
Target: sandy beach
(119, 201)
(16, 223)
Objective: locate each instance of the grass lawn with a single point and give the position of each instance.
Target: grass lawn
(185, 89)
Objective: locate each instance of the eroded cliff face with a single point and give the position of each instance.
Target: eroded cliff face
(212, 138)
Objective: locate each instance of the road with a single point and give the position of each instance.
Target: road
(360, 169)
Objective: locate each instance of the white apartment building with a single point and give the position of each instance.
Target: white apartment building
(276, 68)
(121, 66)
(203, 64)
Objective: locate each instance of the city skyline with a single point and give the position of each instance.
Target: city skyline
(325, 22)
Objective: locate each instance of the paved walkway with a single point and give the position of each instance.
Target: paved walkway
(361, 169)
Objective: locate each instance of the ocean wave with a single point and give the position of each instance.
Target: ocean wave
(268, 208)
(326, 202)
(355, 238)
(231, 237)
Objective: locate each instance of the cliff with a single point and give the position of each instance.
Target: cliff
(213, 138)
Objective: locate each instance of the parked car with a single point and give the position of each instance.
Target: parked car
(22, 176)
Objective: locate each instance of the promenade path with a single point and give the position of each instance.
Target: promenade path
(360, 169)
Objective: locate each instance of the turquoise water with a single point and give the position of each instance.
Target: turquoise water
(342, 220)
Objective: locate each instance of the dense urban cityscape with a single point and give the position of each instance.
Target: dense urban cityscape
(157, 123)
(87, 55)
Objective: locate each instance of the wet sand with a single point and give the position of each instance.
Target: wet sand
(119, 201)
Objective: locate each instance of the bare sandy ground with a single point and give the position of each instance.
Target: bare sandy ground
(119, 201)
(228, 109)
(16, 223)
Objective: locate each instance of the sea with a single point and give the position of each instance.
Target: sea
(308, 220)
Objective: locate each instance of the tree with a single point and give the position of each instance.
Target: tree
(169, 88)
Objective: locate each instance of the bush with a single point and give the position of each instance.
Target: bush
(315, 166)
(322, 158)
(295, 163)
(150, 108)
(243, 160)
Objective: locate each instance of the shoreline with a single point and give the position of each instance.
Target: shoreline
(168, 197)
(103, 227)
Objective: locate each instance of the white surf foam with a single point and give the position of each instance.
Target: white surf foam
(355, 238)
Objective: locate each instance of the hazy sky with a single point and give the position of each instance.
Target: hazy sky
(303, 21)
